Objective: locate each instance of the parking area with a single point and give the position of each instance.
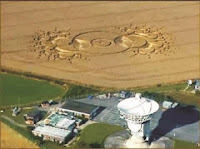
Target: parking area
(110, 115)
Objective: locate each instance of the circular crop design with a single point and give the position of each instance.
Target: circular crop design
(101, 43)
(97, 42)
(137, 40)
(128, 41)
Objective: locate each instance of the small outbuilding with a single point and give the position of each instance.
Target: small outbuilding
(124, 94)
(33, 117)
(103, 96)
(45, 104)
(197, 85)
(168, 105)
(16, 111)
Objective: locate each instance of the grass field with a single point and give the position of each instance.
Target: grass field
(10, 139)
(172, 92)
(186, 98)
(183, 144)
(51, 145)
(78, 91)
(20, 90)
(164, 88)
(94, 135)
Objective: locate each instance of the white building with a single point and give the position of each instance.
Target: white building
(66, 124)
(103, 96)
(52, 133)
(168, 104)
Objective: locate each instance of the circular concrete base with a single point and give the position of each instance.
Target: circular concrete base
(118, 139)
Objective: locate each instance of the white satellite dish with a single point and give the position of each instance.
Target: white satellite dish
(137, 111)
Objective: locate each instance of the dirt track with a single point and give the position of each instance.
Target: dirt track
(20, 21)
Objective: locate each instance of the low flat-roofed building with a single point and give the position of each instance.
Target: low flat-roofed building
(174, 104)
(80, 109)
(52, 133)
(66, 124)
(197, 85)
(168, 104)
(60, 121)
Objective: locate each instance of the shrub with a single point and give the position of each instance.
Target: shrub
(197, 93)
(78, 90)
(159, 97)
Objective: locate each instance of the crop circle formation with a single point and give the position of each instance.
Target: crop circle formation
(140, 40)
(97, 42)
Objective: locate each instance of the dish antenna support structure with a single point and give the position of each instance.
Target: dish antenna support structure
(137, 112)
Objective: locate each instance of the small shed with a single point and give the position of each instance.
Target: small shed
(197, 85)
(168, 104)
(45, 104)
(103, 96)
(16, 111)
(33, 117)
(124, 94)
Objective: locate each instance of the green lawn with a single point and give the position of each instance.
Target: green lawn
(171, 92)
(164, 88)
(183, 144)
(79, 91)
(94, 135)
(16, 90)
(186, 98)
(51, 145)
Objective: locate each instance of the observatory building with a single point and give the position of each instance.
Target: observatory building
(137, 112)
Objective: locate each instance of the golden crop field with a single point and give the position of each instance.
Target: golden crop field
(110, 44)
(12, 139)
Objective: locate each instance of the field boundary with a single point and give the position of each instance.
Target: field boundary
(66, 85)
(64, 82)
(46, 78)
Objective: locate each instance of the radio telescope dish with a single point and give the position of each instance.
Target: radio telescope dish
(137, 111)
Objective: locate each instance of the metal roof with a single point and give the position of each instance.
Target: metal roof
(197, 82)
(52, 131)
(65, 123)
(34, 113)
(79, 106)
(59, 120)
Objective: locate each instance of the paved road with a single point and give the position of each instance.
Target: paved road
(110, 115)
